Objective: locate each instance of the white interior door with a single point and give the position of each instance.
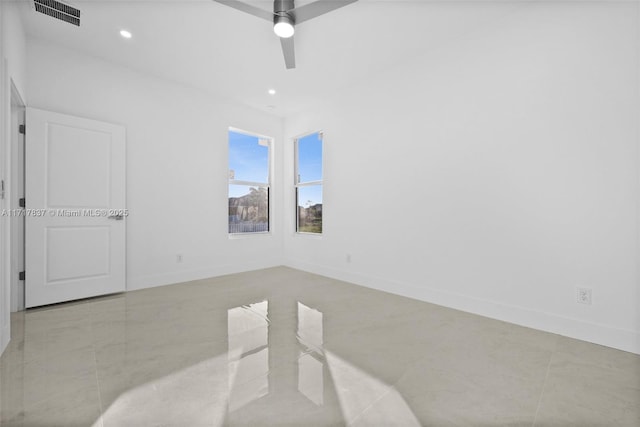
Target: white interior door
(74, 190)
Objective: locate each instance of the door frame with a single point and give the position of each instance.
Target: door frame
(17, 169)
(5, 137)
(7, 86)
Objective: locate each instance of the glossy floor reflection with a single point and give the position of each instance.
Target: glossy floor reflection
(281, 347)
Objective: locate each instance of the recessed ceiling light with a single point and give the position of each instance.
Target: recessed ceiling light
(272, 91)
(126, 34)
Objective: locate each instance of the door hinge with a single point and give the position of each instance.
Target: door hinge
(22, 203)
(22, 129)
(21, 275)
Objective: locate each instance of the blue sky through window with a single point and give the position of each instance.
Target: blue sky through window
(310, 158)
(310, 169)
(309, 196)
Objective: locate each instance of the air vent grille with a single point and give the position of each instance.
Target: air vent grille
(59, 11)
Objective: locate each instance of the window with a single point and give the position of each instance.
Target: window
(249, 182)
(308, 170)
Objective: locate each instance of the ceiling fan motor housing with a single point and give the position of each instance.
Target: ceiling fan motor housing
(282, 7)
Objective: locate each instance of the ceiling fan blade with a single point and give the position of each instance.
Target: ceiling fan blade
(317, 8)
(250, 9)
(289, 52)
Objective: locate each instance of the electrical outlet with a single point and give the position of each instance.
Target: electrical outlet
(583, 296)
(179, 258)
(348, 258)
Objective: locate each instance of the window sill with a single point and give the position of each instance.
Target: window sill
(241, 236)
(308, 235)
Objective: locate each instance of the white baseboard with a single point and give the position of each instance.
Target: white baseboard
(143, 282)
(625, 340)
(17, 295)
(5, 336)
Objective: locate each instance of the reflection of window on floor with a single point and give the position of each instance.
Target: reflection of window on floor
(248, 329)
(310, 361)
(249, 182)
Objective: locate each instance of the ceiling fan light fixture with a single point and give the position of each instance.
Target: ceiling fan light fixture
(284, 17)
(283, 26)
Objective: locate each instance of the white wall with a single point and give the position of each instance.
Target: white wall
(176, 164)
(12, 69)
(14, 44)
(494, 175)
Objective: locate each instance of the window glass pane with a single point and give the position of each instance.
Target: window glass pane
(310, 158)
(248, 158)
(248, 209)
(310, 209)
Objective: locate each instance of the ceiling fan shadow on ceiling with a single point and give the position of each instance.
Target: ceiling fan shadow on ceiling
(285, 16)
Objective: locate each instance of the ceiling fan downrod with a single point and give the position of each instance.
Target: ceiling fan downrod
(283, 6)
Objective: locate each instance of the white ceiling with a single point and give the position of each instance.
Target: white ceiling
(236, 56)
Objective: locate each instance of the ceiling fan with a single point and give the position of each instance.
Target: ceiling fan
(285, 16)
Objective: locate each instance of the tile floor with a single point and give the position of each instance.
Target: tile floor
(281, 347)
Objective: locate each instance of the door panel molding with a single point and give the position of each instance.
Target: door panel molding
(75, 176)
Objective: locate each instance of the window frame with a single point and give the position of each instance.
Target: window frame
(297, 184)
(270, 141)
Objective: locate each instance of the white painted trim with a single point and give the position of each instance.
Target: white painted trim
(249, 183)
(637, 288)
(621, 339)
(144, 282)
(17, 117)
(248, 235)
(5, 232)
(309, 183)
(6, 336)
